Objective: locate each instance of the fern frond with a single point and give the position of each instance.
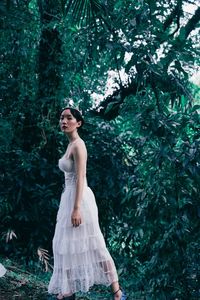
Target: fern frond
(44, 258)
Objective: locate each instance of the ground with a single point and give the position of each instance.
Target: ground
(20, 284)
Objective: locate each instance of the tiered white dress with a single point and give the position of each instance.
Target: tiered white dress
(81, 258)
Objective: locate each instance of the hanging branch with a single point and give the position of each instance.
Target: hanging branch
(176, 13)
(180, 41)
(191, 24)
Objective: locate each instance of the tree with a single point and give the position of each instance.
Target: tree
(142, 138)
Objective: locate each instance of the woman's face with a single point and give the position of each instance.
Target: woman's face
(68, 122)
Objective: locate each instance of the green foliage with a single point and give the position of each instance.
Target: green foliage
(143, 163)
(19, 282)
(31, 283)
(161, 220)
(108, 186)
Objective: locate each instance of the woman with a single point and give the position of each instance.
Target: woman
(81, 258)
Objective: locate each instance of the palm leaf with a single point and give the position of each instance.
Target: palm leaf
(85, 10)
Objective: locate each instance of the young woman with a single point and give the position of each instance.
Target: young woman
(81, 258)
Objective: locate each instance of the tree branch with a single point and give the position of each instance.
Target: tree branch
(180, 41)
(176, 13)
(191, 24)
(167, 83)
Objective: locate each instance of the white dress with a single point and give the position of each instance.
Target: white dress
(81, 258)
(2, 270)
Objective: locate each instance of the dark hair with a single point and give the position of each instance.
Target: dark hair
(76, 114)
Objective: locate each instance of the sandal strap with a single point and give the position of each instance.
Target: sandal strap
(117, 291)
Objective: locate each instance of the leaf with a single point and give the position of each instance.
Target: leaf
(10, 235)
(85, 10)
(110, 106)
(184, 201)
(195, 107)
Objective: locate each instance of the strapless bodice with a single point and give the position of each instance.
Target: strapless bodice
(66, 164)
(68, 167)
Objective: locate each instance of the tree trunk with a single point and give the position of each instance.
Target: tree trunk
(49, 57)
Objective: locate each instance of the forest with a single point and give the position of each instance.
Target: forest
(132, 69)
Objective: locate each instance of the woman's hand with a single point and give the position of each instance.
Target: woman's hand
(76, 217)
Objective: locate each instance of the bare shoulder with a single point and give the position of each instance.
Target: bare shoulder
(80, 146)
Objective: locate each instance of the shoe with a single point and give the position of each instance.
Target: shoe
(123, 296)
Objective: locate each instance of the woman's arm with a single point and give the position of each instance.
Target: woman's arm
(80, 158)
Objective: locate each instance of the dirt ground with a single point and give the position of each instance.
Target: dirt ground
(19, 284)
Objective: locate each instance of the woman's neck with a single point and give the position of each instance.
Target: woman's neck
(72, 137)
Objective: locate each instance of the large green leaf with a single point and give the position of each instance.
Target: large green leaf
(85, 10)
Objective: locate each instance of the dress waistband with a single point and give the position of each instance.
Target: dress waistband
(70, 179)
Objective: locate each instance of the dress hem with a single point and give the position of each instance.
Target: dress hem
(82, 291)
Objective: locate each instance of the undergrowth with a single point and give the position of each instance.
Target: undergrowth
(23, 284)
